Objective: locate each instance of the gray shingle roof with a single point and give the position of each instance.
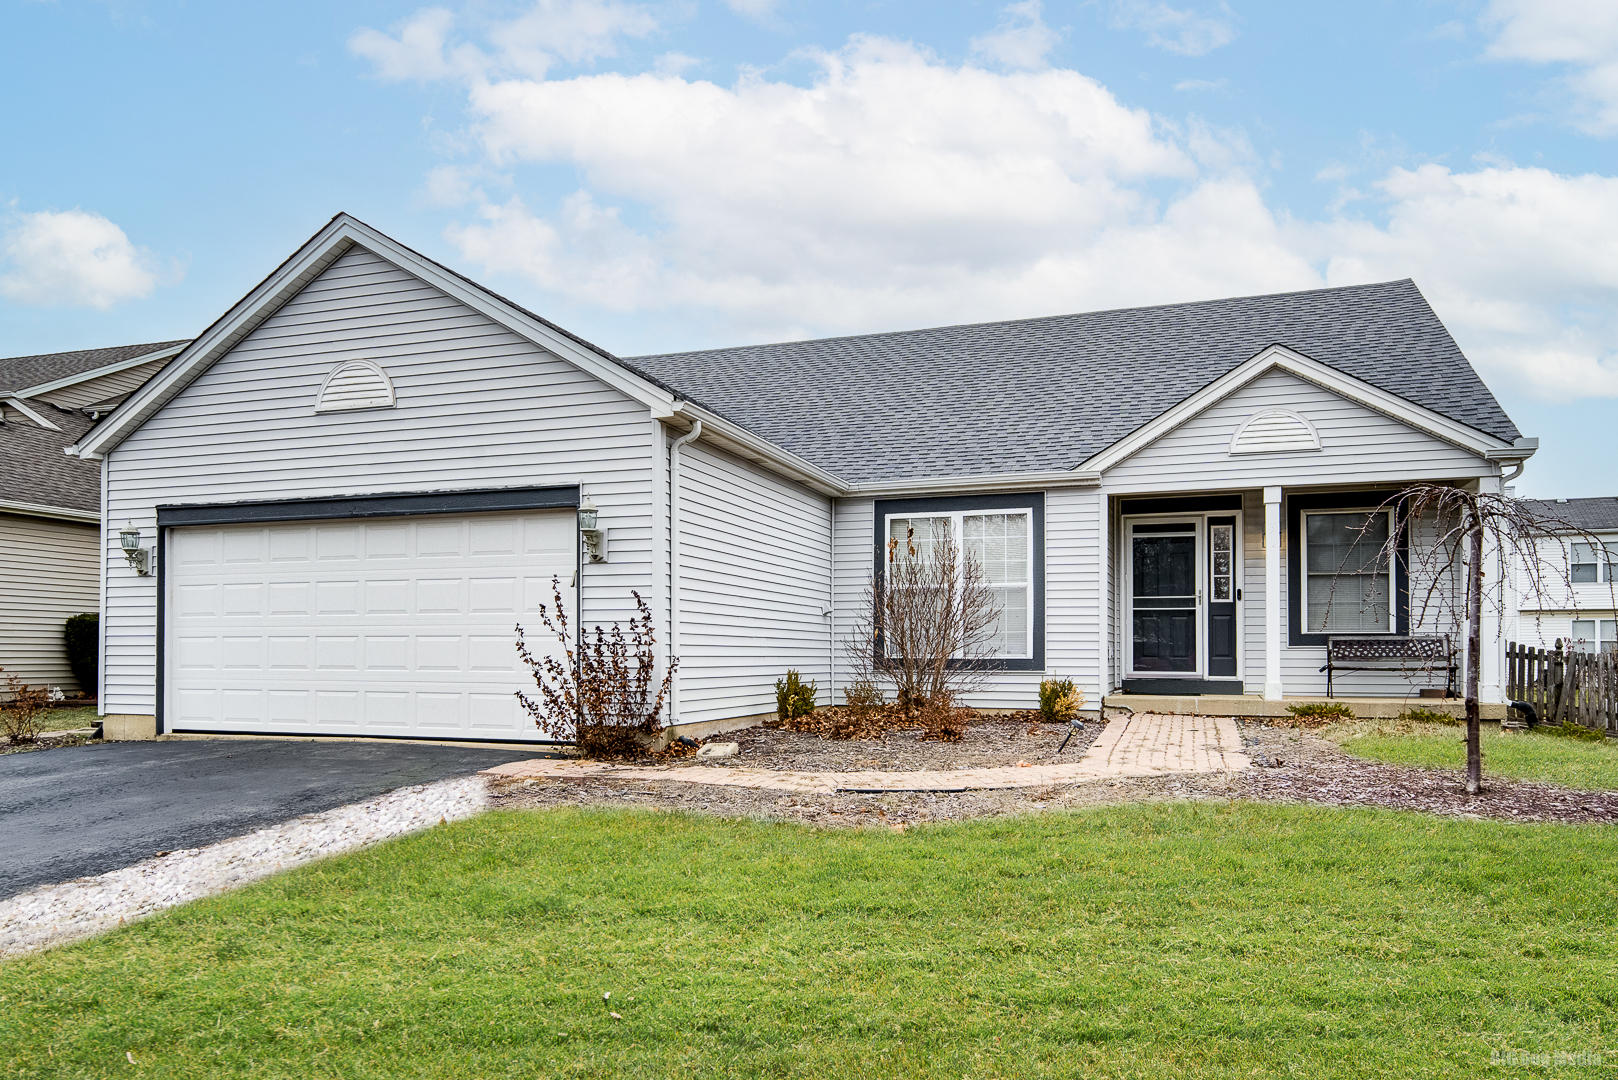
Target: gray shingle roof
(22, 372)
(33, 468)
(1049, 393)
(1597, 515)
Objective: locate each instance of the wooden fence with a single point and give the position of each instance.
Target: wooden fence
(1565, 687)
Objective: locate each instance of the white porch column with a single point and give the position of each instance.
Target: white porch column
(1272, 594)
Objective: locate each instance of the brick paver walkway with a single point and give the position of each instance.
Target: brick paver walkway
(1150, 744)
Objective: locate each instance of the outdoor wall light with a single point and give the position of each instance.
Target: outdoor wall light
(595, 539)
(138, 557)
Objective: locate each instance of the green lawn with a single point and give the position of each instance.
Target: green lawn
(67, 719)
(1161, 940)
(1532, 755)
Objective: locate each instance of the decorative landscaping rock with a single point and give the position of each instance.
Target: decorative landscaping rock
(717, 750)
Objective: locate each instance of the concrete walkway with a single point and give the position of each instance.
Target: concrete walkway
(1148, 744)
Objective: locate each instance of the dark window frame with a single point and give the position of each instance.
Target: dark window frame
(1011, 500)
(1297, 618)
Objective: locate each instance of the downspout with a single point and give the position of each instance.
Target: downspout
(674, 563)
(831, 600)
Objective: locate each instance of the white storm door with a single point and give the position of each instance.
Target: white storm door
(383, 626)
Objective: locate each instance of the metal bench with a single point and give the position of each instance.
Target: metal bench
(1376, 653)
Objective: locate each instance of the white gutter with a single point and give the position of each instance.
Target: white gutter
(674, 562)
(943, 485)
(96, 373)
(41, 510)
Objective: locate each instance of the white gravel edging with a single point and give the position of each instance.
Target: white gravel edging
(56, 914)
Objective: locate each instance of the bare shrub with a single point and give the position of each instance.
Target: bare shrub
(942, 720)
(19, 718)
(602, 695)
(928, 624)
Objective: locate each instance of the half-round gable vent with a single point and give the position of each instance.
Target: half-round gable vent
(357, 384)
(1275, 432)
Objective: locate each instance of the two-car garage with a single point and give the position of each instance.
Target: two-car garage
(357, 621)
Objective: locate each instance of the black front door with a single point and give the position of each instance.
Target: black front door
(1222, 596)
(1164, 561)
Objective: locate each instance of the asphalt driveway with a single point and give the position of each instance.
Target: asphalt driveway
(82, 810)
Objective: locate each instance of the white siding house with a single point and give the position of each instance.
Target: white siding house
(50, 504)
(1141, 482)
(1573, 597)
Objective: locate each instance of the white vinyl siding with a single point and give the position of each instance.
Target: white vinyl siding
(478, 407)
(114, 387)
(755, 585)
(1358, 446)
(48, 572)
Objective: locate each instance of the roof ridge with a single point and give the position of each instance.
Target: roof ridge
(1029, 319)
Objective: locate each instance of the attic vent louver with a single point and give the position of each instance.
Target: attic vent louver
(1275, 432)
(357, 384)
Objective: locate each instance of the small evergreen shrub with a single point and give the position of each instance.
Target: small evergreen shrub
(1419, 715)
(1319, 713)
(1567, 729)
(794, 697)
(1059, 701)
(82, 636)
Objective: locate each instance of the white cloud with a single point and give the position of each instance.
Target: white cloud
(1179, 30)
(572, 31)
(1515, 260)
(1022, 40)
(1582, 34)
(1202, 84)
(73, 258)
(895, 190)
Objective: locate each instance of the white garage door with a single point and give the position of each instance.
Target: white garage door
(389, 626)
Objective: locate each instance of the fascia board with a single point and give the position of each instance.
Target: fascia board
(96, 373)
(30, 413)
(62, 513)
(1279, 357)
(741, 440)
(599, 367)
(952, 485)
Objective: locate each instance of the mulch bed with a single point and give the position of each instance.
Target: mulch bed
(1290, 766)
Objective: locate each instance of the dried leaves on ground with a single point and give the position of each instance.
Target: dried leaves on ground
(1289, 766)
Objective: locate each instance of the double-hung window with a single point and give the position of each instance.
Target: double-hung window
(1594, 635)
(1595, 563)
(1001, 542)
(1347, 586)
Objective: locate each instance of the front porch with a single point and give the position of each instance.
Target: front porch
(1369, 708)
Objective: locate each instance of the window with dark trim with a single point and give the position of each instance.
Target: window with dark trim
(1006, 534)
(1340, 587)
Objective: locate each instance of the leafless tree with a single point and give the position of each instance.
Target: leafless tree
(927, 623)
(602, 694)
(1450, 570)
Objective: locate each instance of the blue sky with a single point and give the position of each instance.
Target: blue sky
(660, 176)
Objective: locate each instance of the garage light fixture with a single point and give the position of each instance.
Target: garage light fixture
(138, 557)
(595, 539)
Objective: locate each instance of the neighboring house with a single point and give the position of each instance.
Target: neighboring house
(50, 504)
(1575, 603)
(366, 472)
